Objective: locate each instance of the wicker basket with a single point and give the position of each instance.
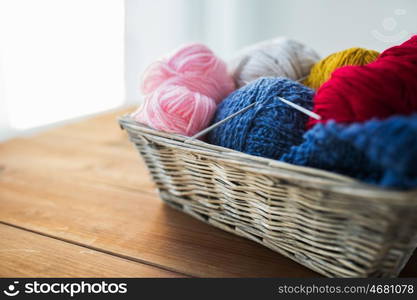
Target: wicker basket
(329, 223)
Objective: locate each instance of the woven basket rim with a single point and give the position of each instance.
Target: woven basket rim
(327, 180)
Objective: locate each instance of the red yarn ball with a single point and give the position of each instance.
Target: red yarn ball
(380, 89)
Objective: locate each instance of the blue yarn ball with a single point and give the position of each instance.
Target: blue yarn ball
(269, 128)
(382, 152)
(324, 148)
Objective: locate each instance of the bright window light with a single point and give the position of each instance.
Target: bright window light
(61, 58)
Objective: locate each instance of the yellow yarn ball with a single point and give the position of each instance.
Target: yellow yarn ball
(322, 70)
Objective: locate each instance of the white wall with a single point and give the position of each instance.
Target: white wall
(226, 25)
(330, 26)
(59, 60)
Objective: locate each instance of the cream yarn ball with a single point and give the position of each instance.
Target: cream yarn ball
(279, 57)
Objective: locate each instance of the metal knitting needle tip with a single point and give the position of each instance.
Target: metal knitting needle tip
(300, 108)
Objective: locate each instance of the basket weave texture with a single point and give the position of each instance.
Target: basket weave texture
(329, 223)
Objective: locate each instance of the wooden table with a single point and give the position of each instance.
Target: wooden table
(77, 201)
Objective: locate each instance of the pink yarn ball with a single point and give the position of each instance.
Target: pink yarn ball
(194, 66)
(181, 91)
(176, 109)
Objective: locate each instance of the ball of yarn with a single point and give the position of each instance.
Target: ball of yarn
(269, 128)
(176, 109)
(322, 70)
(380, 152)
(279, 57)
(181, 90)
(385, 87)
(324, 149)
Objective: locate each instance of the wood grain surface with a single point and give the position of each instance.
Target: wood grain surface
(23, 254)
(83, 187)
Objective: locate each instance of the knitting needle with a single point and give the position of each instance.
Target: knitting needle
(300, 108)
(203, 132)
